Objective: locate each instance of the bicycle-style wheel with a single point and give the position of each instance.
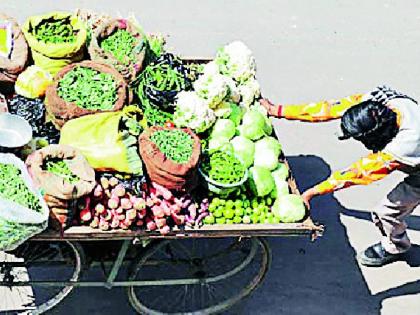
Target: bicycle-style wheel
(199, 276)
(20, 269)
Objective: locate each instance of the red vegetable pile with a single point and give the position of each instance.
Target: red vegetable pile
(111, 206)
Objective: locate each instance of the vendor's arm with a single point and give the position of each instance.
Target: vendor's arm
(318, 111)
(371, 168)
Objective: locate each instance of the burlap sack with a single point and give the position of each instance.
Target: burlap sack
(52, 57)
(132, 69)
(164, 171)
(15, 64)
(54, 185)
(61, 111)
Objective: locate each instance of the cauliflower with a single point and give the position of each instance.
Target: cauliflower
(233, 94)
(192, 112)
(211, 68)
(249, 91)
(213, 88)
(236, 60)
(223, 110)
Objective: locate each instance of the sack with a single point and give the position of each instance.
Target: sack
(55, 185)
(130, 68)
(61, 111)
(61, 195)
(164, 171)
(53, 57)
(99, 138)
(33, 82)
(18, 223)
(11, 66)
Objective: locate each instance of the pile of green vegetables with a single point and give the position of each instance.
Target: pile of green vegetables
(55, 31)
(13, 188)
(88, 88)
(122, 45)
(241, 209)
(161, 81)
(268, 210)
(223, 167)
(175, 144)
(12, 233)
(60, 168)
(156, 116)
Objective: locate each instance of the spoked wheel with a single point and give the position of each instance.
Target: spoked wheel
(38, 261)
(198, 276)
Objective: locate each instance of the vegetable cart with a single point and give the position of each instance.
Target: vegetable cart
(184, 269)
(177, 273)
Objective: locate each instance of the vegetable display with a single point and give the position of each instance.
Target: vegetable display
(157, 117)
(61, 168)
(163, 170)
(13, 188)
(64, 175)
(267, 152)
(241, 209)
(244, 149)
(161, 81)
(261, 181)
(121, 44)
(192, 112)
(85, 88)
(55, 31)
(289, 208)
(113, 206)
(23, 212)
(175, 144)
(88, 88)
(237, 61)
(223, 168)
(147, 141)
(56, 40)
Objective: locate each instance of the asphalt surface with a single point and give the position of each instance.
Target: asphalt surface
(306, 51)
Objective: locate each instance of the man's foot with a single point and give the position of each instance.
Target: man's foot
(376, 256)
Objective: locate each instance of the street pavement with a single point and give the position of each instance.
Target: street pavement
(305, 51)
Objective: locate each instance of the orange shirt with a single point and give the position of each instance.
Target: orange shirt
(368, 169)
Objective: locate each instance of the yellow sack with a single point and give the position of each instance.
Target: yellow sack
(33, 82)
(53, 57)
(100, 140)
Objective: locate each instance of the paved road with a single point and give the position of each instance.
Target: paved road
(306, 50)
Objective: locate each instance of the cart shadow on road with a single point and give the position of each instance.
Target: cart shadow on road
(322, 277)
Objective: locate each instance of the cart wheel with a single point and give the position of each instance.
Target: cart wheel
(38, 261)
(199, 276)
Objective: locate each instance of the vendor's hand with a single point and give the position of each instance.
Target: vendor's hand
(272, 110)
(307, 196)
